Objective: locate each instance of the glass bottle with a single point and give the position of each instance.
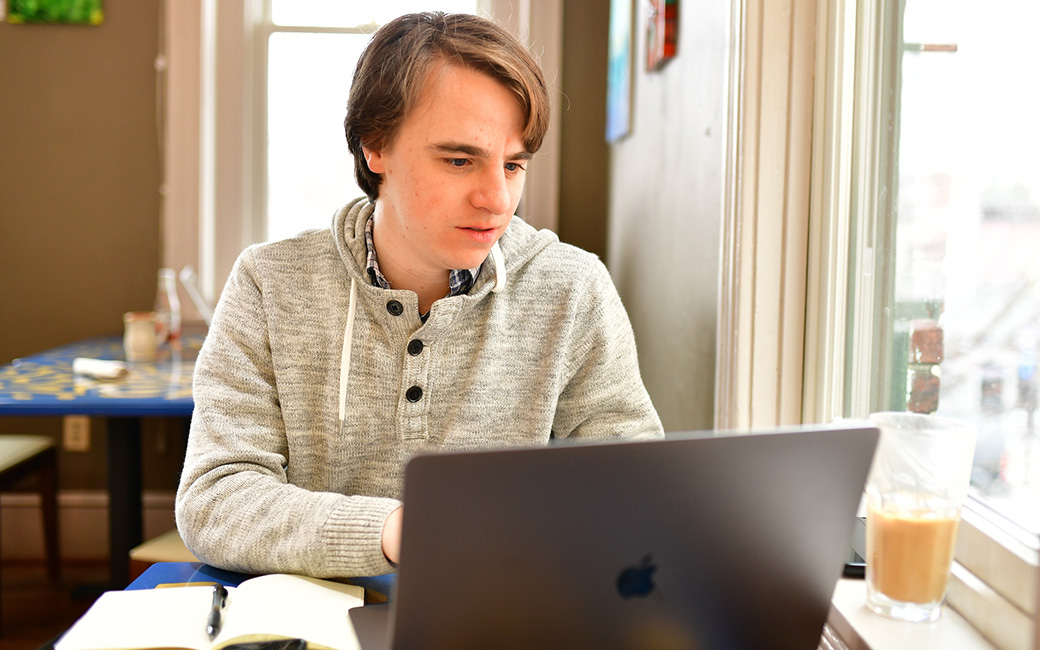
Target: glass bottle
(167, 305)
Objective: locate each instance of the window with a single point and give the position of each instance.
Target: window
(254, 138)
(309, 171)
(920, 170)
(957, 242)
(307, 52)
(942, 308)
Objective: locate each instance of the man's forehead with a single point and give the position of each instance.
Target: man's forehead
(443, 72)
(460, 110)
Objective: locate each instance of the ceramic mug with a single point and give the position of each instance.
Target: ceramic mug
(141, 335)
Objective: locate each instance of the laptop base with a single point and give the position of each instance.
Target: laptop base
(372, 626)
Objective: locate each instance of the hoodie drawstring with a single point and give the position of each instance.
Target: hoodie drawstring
(500, 268)
(344, 364)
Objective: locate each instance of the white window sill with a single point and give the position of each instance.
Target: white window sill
(861, 629)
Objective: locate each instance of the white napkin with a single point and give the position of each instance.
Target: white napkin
(99, 368)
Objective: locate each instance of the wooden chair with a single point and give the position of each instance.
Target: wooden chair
(22, 456)
(167, 547)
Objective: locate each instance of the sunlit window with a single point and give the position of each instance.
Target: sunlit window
(312, 47)
(959, 235)
(309, 170)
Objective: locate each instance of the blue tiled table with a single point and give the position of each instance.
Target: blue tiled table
(377, 588)
(44, 385)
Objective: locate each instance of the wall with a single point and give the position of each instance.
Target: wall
(665, 213)
(584, 154)
(79, 201)
(651, 205)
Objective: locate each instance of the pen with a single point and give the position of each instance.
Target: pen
(213, 620)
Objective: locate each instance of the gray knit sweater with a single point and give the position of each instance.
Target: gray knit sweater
(309, 402)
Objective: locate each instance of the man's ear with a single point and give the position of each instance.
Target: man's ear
(374, 160)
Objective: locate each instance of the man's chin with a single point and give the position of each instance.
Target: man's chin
(472, 258)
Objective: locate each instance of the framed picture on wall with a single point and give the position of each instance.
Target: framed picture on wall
(662, 32)
(619, 70)
(62, 12)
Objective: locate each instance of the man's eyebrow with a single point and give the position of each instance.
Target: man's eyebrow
(475, 151)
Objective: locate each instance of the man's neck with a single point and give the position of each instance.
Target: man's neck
(400, 270)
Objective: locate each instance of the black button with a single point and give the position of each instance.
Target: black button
(395, 308)
(415, 347)
(414, 394)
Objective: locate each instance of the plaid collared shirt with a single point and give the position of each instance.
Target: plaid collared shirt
(459, 280)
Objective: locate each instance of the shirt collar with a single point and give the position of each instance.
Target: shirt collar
(460, 281)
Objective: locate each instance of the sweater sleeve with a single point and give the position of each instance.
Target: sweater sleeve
(603, 395)
(235, 507)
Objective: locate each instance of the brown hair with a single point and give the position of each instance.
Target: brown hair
(392, 71)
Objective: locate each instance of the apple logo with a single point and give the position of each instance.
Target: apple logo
(637, 581)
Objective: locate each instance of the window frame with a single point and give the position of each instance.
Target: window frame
(994, 583)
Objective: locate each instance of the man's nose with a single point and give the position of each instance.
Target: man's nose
(492, 193)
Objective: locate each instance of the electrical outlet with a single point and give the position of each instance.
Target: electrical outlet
(76, 433)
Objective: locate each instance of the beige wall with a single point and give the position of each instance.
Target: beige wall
(666, 207)
(651, 204)
(584, 154)
(79, 192)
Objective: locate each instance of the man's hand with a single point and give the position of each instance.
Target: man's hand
(392, 535)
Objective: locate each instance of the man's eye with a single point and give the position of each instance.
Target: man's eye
(513, 167)
(457, 162)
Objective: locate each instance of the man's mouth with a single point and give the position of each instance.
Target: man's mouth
(481, 235)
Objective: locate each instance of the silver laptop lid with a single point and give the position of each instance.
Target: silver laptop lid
(694, 541)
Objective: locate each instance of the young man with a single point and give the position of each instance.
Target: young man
(427, 318)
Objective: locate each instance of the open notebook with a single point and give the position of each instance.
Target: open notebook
(695, 541)
(268, 607)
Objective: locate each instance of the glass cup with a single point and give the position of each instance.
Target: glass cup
(915, 490)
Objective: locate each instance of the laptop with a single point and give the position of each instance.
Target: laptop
(697, 540)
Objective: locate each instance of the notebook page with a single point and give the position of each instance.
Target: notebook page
(151, 618)
(289, 606)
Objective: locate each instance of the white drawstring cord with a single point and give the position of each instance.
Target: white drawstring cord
(500, 268)
(344, 364)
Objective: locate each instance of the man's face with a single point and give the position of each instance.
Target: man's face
(453, 175)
